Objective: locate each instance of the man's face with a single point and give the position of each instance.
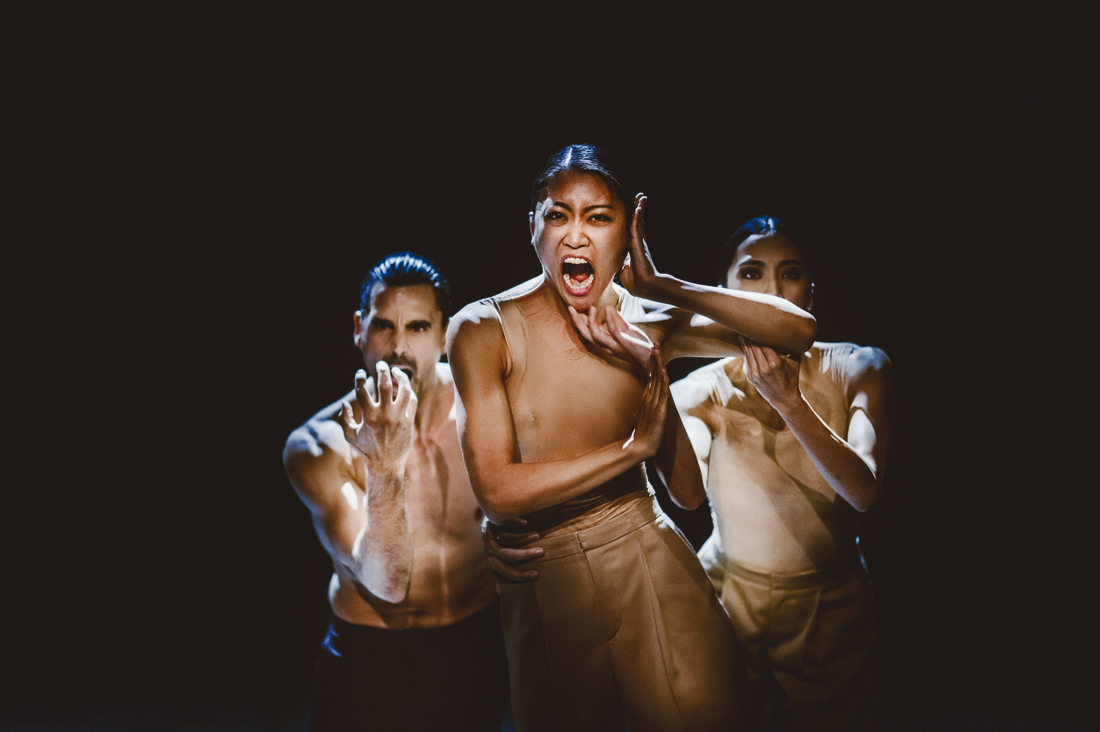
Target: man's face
(771, 265)
(404, 328)
(579, 232)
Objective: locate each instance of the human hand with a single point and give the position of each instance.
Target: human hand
(650, 423)
(538, 218)
(773, 375)
(638, 274)
(499, 540)
(381, 429)
(618, 340)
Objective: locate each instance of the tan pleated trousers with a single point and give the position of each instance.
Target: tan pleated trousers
(809, 642)
(622, 628)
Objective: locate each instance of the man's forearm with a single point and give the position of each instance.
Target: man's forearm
(383, 549)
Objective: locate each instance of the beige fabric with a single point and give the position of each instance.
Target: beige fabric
(810, 644)
(621, 628)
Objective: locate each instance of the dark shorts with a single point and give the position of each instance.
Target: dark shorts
(451, 678)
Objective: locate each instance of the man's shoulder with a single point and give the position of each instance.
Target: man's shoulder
(443, 373)
(318, 442)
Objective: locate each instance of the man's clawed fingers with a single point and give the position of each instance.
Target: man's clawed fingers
(382, 412)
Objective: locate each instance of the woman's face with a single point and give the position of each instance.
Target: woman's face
(580, 232)
(771, 265)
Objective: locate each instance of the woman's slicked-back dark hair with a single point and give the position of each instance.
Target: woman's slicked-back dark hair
(760, 226)
(586, 158)
(406, 268)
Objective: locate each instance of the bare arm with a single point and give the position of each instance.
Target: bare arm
(854, 464)
(675, 461)
(347, 464)
(503, 487)
(689, 396)
(761, 318)
(677, 466)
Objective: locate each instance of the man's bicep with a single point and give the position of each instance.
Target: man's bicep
(330, 494)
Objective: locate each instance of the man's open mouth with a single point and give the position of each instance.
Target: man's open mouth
(579, 276)
(409, 370)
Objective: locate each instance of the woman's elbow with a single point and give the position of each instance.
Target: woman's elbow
(690, 502)
(866, 498)
(804, 333)
(496, 504)
(688, 494)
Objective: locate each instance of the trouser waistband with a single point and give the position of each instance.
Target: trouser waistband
(799, 581)
(633, 518)
(348, 629)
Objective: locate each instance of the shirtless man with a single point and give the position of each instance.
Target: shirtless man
(794, 450)
(621, 627)
(415, 639)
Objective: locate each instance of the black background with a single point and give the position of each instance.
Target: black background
(199, 191)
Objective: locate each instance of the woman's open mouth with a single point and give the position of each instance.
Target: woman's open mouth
(578, 275)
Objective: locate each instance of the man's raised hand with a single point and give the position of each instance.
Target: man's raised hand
(381, 428)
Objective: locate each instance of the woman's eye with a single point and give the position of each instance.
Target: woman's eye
(554, 215)
(794, 273)
(749, 274)
(601, 217)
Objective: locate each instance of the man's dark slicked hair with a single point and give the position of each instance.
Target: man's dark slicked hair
(402, 269)
(584, 158)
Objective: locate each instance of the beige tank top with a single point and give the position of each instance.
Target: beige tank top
(614, 495)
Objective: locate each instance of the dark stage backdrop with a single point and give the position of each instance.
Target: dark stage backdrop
(202, 191)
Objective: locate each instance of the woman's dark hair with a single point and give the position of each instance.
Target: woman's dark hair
(586, 158)
(760, 226)
(406, 268)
